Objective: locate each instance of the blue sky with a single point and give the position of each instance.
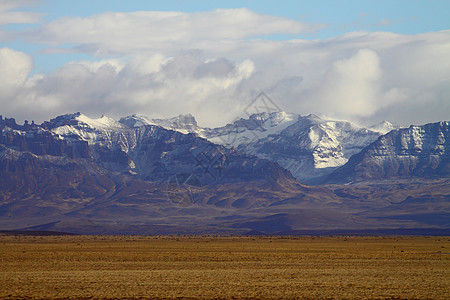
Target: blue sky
(360, 60)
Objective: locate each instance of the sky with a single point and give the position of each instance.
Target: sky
(363, 61)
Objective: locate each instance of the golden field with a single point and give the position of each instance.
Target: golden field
(224, 267)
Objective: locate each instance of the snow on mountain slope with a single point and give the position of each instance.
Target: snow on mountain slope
(257, 126)
(103, 122)
(79, 126)
(239, 132)
(415, 151)
(184, 123)
(152, 152)
(309, 147)
(313, 146)
(128, 177)
(384, 127)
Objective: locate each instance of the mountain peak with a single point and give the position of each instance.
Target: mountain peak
(135, 121)
(103, 122)
(384, 127)
(185, 119)
(313, 116)
(184, 123)
(71, 116)
(414, 151)
(317, 118)
(275, 118)
(62, 120)
(77, 126)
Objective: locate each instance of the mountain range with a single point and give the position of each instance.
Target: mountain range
(310, 147)
(272, 172)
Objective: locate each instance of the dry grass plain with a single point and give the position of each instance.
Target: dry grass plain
(224, 267)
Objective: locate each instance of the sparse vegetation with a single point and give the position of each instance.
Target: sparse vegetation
(224, 267)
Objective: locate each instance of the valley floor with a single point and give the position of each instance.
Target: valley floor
(224, 267)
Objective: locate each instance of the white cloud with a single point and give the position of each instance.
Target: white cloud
(9, 17)
(115, 88)
(94, 66)
(161, 30)
(351, 86)
(14, 69)
(213, 64)
(15, 17)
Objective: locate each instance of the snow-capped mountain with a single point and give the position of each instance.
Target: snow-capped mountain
(313, 146)
(79, 126)
(147, 152)
(184, 123)
(310, 147)
(384, 127)
(78, 174)
(414, 151)
(246, 131)
(241, 131)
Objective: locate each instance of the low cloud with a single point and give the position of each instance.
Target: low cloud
(15, 67)
(116, 88)
(351, 86)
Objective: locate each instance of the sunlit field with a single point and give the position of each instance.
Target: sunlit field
(224, 267)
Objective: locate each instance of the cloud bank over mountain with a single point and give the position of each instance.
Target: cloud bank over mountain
(213, 64)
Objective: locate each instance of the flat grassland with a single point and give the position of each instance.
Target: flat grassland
(224, 267)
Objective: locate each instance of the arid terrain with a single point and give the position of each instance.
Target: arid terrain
(224, 267)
